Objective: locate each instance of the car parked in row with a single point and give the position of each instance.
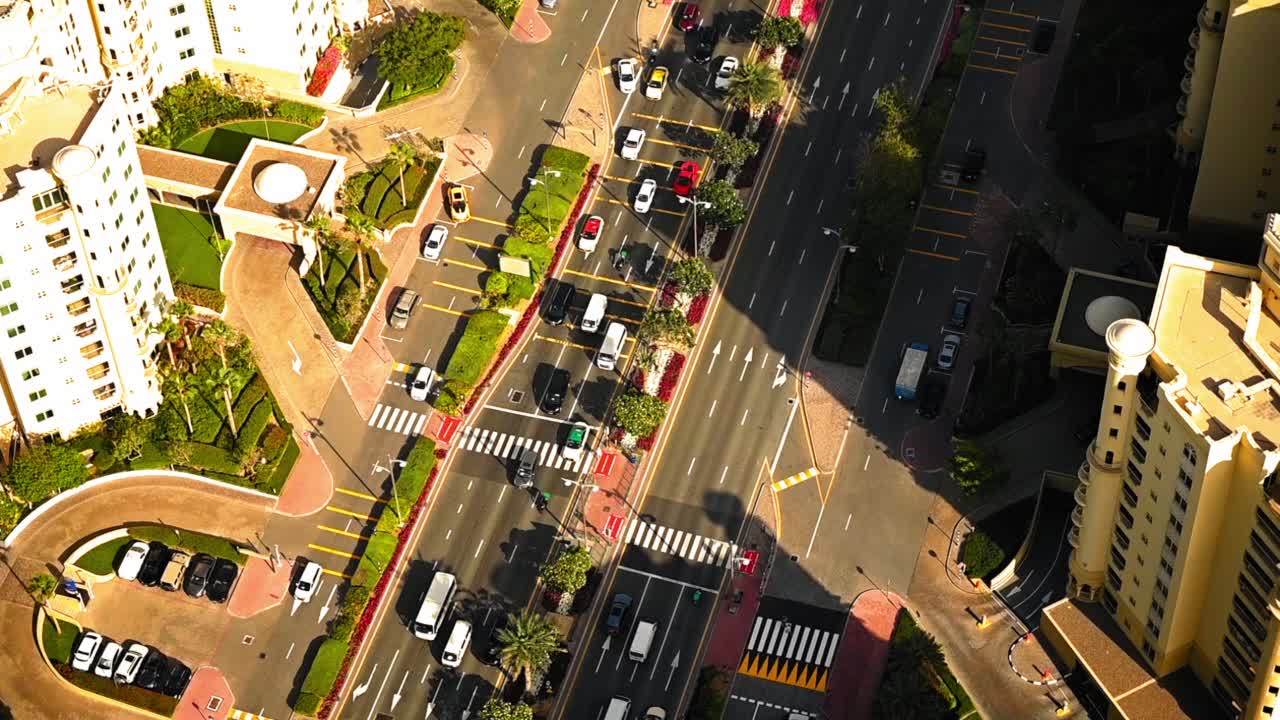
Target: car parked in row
(704, 45)
(688, 17)
(459, 203)
(631, 144)
(724, 73)
(174, 570)
(592, 227)
(687, 175)
(198, 575)
(222, 580)
(947, 355)
(406, 303)
(127, 669)
(644, 196)
(433, 244)
(154, 563)
(657, 83)
(133, 664)
(131, 562)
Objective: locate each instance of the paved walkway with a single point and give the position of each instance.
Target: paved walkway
(828, 392)
(864, 648)
(310, 485)
(529, 26)
(207, 683)
(737, 612)
(260, 588)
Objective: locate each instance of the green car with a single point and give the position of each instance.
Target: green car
(574, 443)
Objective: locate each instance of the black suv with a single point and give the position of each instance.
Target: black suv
(704, 45)
(153, 564)
(198, 575)
(931, 396)
(960, 312)
(558, 305)
(557, 389)
(975, 160)
(221, 579)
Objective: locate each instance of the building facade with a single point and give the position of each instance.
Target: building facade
(1177, 520)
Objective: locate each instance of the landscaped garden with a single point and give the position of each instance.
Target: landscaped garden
(917, 682)
(416, 56)
(390, 192)
(216, 119)
(344, 282)
(194, 249)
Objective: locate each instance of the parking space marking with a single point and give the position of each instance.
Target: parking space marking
(357, 493)
(477, 243)
(628, 302)
(957, 188)
(680, 145)
(601, 198)
(1011, 12)
(773, 706)
(451, 311)
(350, 513)
(992, 69)
(499, 223)
(459, 288)
(940, 256)
(948, 210)
(672, 121)
(944, 233)
(335, 573)
(344, 533)
(465, 264)
(988, 38)
(601, 278)
(1014, 28)
(332, 551)
(659, 163)
(997, 55)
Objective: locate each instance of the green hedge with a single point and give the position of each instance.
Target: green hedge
(539, 255)
(280, 473)
(253, 428)
(102, 559)
(211, 457)
(476, 347)
(298, 112)
(203, 297)
(191, 541)
(324, 668)
(981, 555)
(308, 704)
(59, 645)
(128, 694)
(565, 159)
(248, 401)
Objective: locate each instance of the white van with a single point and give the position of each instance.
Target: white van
(459, 641)
(614, 338)
(642, 640)
(597, 306)
(435, 606)
(617, 708)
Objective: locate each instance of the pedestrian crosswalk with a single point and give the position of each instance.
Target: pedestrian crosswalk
(507, 446)
(405, 422)
(687, 545)
(800, 643)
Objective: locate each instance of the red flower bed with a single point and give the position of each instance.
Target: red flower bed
(668, 297)
(637, 378)
(810, 12)
(616, 434)
(791, 62)
(646, 443)
(531, 312)
(671, 377)
(325, 69)
(698, 309)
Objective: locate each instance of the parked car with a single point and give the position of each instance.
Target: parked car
(724, 74)
(404, 307)
(87, 651)
(975, 160)
(932, 393)
(127, 670)
(151, 674)
(107, 660)
(308, 581)
(176, 678)
(174, 570)
(590, 235)
(616, 619)
(459, 204)
(657, 713)
(631, 144)
(947, 355)
(559, 301)
(221, 580)
(493, 650)
(556, 391)
(1042, 37)
(689, 17)
(627, 71)
(644, 196)
(549, 4)
(960, 312)
(153, 565)
(131, 562)
(198, 575)
(574, 443)
(433, 245)
(526, 466)
(657, 83)
(704, 45)
(687, 175)
(423, 380)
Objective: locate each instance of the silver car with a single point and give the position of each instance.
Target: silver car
(405, 305)
(127, 670)
(947, 355)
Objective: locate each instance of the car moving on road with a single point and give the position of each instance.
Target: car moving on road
(590, 235)
(433, 245)
(687, 175)
(308, 581)
(574, 443)
(632, 143)
(644, 196)
(627, 70)
(420, 387)
(657, 83)
(459, 204)
(456, 647)
(526, 466)
(616, 620)
(975, 160)
(557, 388)
(724, 74)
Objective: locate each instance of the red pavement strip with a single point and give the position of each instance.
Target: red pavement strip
(613, 527)
(729, 637)
(260, 588)
(529, 26)
(309, 486)
(604, 464)
(864, 648)
(208, 690)
(448, 428)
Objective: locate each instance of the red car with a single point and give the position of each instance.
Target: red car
(689, 18)
(687, 177)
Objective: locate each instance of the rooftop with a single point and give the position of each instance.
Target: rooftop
(1105, 651)
(47, 124)
(261, 156)
(183, 168)
(1088, 297)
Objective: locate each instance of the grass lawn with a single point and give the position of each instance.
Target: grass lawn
(59, 645)
(937, 692)
(188, 250)
(551, 200)
(101, 560)
(227, 142)
(342, 280)
(191, 541)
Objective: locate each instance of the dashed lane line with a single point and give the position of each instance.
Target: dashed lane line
(601, 278)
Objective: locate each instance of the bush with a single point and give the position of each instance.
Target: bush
(710, 695)
(671, 377)
(981, 555)
(128, 694)
(417, 49)
(476, 347)
(692, 276)
(203, 297)
(568, 574)
(499, 709)
(275, 441)
(298, 112)
(450, 396)
(194, 105)
(252, 429)
(698, 308)
(774, 32)
(308, 704)
(210, 457)
(323, 673)
(977, 469)
(190, 541)
(539, 254)
(565, 160)
(639, 414)
(59, 645)
(732, 151)
(44, 471)
(666, 326)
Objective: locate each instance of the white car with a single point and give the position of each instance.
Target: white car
(632, 143)
(573, 444)
(127, 670)
(308, 581)
(947, 355)
(724, 73)
(107, 660)
(590, 235)
(434, 244)
(657, 83)
(131, 563)
(628, 73)
(86, 651)
(644, 198)
(420, 387)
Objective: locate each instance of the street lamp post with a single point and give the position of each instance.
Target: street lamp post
(847, 247)
(546, 189)
(590, 487)
(392, 463)
(697, 243)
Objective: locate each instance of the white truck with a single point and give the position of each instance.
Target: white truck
(914, 358)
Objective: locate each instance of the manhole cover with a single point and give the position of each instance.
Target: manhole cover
(215, 702)
(517, 396)
(910, 453)
(246, 640)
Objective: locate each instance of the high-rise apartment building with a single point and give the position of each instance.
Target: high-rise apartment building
(1177, 520)
(1230, 114)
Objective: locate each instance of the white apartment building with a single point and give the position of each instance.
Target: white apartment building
(82, 275)
(276, 41)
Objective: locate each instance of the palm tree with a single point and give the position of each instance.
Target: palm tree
(755, 86)
(403, 154)
(360, 230)
(220, 335)
(178, 385)
(170, 331)
(223, 379)
(42, 587)
(527, 644)
(322, 228)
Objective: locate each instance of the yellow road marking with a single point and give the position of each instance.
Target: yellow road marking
(499, 223)
(620, 318)
(794, 480)
(634, 180)
(335, 573)
(601, 198)
(944, 233)
(477, 243)
(357, 493)
(680, 145)
(992, 69)
(1005, 27)
(459, 288)
(655, 162)
(466, 264)
(343, 533)
(948, 210)
(629, 302)
(673, 121)
(999, 56)
(940, 256)
(956, 188)
(637, 286)
(988, 38)
(459, 313)
(349, 513)
(668, 212)
(402, 367)
(566, 343)
(332, 551)
(1010, 12)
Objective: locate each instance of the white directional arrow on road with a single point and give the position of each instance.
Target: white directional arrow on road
(364, 687)
(430, 707)
(604, 649)
(844, 95)
(780, 378)
(715, 353)
(817, 81)
(746, 363)
(675, 663)
(395, 696)
(296, 604)
(324, 609)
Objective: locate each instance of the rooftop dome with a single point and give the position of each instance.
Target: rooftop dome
(73, 161)
(1130, 338)
(1107, 309)
(280, 183)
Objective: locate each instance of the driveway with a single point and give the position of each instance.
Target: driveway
(175, 624)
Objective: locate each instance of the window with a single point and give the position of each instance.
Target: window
(182, 32)
(1139, 452)
(1113, 432)
(6, 309)
(33, 372)
(1117, 409)
(37, 394)
(1143, 428)
(1189, 453)
(177, 9)
(1134, 473)
(185, 54)
(17, 330)
(42, 416)
(48, 199)
(24, 352)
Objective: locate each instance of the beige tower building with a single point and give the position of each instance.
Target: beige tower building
(1173, 596)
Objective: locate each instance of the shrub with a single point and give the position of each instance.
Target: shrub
(211, 457)
(355, 187)
(639, 414)
(194, 542)
(325, 68)
(203, 297)
(476, 347)
(10, 513)
(499, 709)
(981, 555)
(46, 470)
(732, 151)
(198, 103)
(698, 308)
(128, 694)
(568, 573)
(671, 377)
(275, 441)
(692, 276)
(307, 704)
(418, 48)
(323, 673)
(252, 429)
(710, 695)
(666, 326)
(298, 112)
(450, 396)
(977, 469)
(774, 32)
(250, 394)
(565, 160)
(539, 254)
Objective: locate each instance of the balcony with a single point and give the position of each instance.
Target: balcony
(1073, 537)
(64, 263)
(105, 391)
(85, 329)
(1189, 62)
(58, 239)
(89, 352)
(1185, 85)
(1081, 492)
(78, 308)
(1211, 22)
(1181, 107)
(1194, 38)
(1083, 474)
(1077, 516)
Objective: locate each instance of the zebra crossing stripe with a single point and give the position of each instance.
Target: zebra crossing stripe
(397, 420)
(794, 480)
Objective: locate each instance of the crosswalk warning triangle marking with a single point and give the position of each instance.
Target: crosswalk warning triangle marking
(745, 667)
(792, 671)
(821, 685)
(803, 677)
(778, 672)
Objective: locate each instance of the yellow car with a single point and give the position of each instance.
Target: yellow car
(459, 205)
(657, 83)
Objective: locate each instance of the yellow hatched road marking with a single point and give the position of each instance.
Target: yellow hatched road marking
(465, 264)
(402, 367)
(943, 233)
(999, 56)
(349, 513)
(948, 210)
(601, 278)
(499, 223)
(940, 256)
(459, 288)
(477, 243)
(357, 493)
(459, 313)
(332, 551)
(343, 533)
(975, 66)
(673, 121)
(1005, 27)
(796, 479)
(237, 714)
(680, 145)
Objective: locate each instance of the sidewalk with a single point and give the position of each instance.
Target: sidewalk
(529, 27)
(864, 648)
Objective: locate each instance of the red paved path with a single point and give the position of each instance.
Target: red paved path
(859, 663)
(309, 486)
(260, 588)
(205, 683)
(611, 498)
(729, 638)
(529, 26)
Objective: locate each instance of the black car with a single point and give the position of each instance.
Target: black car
(198, 575)
(557, 309)
(151, 674)
(704, 45)
(975, 160)
(493, 651)
(153, 564)
(176, 678)
(1042, 37)
(617, 613)
(221, 579)
(960, 312)
(931, 396)
(557, 389)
